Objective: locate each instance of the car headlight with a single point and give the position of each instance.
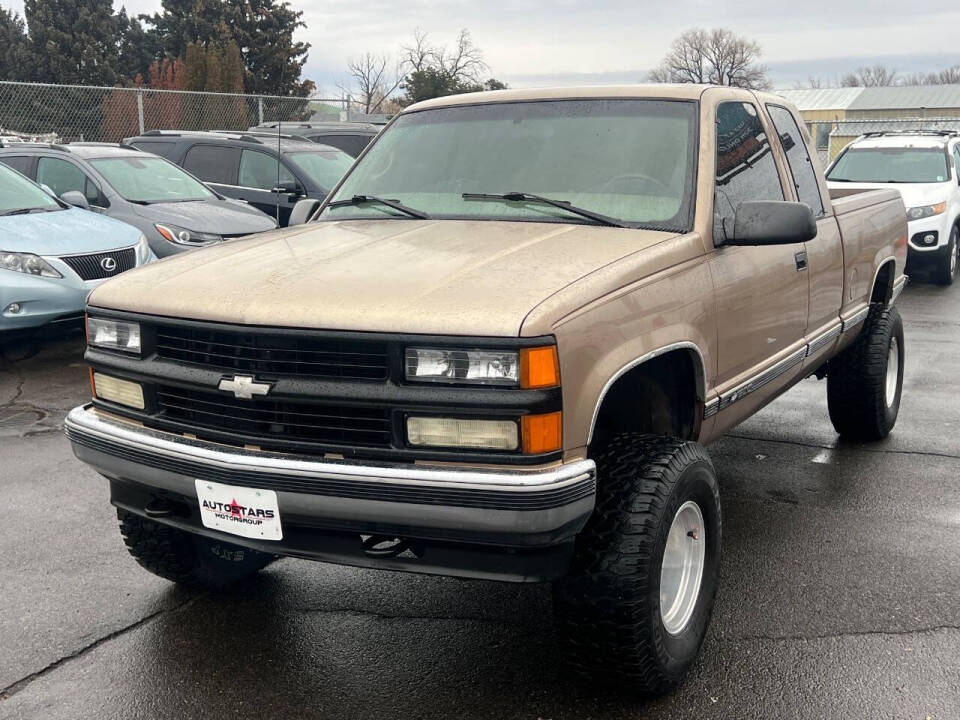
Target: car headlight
(27, 263)
(182, 236)
(526, 368)
(925, 211)
(113, 334)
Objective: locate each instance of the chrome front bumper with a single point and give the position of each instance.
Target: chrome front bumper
(507, 507)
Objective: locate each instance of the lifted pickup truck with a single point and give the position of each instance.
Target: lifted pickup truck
(498, 351)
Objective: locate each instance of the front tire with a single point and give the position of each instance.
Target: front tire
(865, 381)
(946, 271)
(635, 607)
(185, 558)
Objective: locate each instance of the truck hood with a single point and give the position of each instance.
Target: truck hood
(409, 276)
(65, 232)
(220, 217)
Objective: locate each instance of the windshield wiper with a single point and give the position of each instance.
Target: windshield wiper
(562, 204)
(362, 199)
(22, 211)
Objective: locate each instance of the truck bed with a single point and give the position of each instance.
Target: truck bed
(846, 201)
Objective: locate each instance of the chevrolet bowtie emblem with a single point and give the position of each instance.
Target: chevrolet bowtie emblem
(243, 386)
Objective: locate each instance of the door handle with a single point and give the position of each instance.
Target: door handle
(801, 260)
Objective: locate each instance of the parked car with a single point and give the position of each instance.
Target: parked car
(173, 209)
(351, 137)
(498, 352)
(925, 167)
(245, 166)
(52, 255)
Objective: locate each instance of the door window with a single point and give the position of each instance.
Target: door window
(956, 163)
(259, 170)
(213, 163)
(353, 145)
(163, 149)
(804, 176)
(746, 170)
(60, 176)
(20, 163)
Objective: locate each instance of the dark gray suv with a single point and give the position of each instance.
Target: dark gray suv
(351, 137)
(173, 209)
(268, 172)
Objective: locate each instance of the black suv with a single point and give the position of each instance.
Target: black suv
(351, 137)
(245, 166)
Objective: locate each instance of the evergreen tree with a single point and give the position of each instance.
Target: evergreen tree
(263, 30)
(184, 22)
(13, 46)
(72, 41)
(137, 48)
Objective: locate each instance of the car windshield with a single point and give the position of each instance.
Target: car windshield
(325, 168)
(632, 160)
(150, 180)
(18, 193)
(891, 165)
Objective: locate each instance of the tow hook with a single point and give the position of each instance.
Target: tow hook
(386, 546)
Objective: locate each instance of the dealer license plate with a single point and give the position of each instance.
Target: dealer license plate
(247, 512)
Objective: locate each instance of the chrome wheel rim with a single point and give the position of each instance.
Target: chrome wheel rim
(893, 370)
(682, 569)
(953, 259)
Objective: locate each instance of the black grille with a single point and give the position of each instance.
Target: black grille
(281, 421)
(273, 353)
(91, 267)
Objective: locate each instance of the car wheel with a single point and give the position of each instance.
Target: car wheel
(946, 271)
(865, 381)
(634, 609)
(185, 558)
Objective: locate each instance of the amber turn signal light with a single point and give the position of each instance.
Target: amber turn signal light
(539, 367)
(542, 433)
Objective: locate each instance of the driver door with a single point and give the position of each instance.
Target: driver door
(762, 293)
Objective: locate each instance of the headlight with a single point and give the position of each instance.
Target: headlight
(182, 236)
(113, 334)
(27, 263)
(526, 368)
(925, 211)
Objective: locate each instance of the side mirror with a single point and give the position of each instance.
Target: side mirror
(772, 222)
(302, 211)
(289, 186)
(76, 198)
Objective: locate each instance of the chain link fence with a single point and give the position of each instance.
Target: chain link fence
(831, 137)
(65, 113)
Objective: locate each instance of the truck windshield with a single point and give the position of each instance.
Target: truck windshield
(147, 180)
(891, 165)
(630, 160)
(19, 195)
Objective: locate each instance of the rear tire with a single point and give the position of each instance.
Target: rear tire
(865, 381)
(946, 271)
(185, 558)
(614, 608)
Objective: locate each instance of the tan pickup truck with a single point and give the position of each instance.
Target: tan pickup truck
(497, 351)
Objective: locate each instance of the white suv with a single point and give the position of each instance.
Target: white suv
(923, 166)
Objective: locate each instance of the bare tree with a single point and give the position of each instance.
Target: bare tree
(462, 65)
(811, 83)
(870, 76)
(718, 57)
(371, 81)
(948, 76)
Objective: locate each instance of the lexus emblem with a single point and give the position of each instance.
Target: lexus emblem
(109, 264)
(243, 386)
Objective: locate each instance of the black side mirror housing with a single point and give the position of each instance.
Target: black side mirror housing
(76, 198)
(303, 211)
(772, 222)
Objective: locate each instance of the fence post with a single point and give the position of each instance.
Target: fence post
(260, 110)
(140, 110)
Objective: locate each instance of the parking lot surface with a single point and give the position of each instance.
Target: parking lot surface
(839, 595)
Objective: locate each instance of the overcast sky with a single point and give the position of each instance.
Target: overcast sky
(531, 42)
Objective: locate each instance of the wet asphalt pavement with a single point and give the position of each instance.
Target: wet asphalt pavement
(839, 595)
